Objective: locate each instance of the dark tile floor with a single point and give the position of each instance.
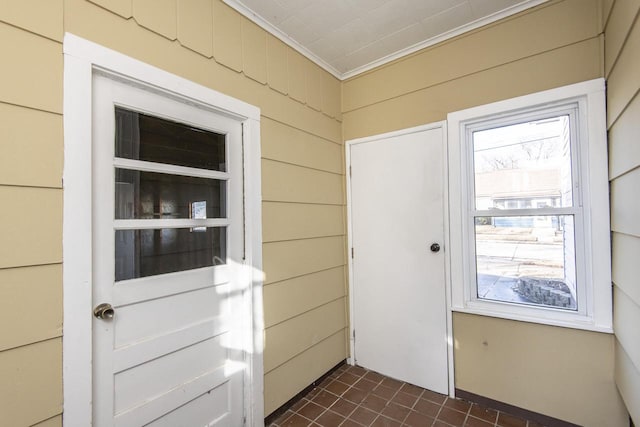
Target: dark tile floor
(355, 397)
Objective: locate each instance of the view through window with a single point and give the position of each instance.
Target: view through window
(523, 214)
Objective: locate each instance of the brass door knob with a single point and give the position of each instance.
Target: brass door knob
(104, 311)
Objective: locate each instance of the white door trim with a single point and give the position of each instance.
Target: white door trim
(436, 125)
(81, 59)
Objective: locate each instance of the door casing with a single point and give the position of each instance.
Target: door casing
(449, 323)
(82, 59)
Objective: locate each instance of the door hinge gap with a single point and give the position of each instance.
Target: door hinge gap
(352, 255)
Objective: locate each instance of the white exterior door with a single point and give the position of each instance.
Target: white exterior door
(398, 279)
(167, 249)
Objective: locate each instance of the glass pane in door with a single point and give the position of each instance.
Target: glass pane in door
(142, 253)
(150, 195)
(152, 139)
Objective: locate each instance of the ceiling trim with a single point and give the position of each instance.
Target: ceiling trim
(260, 21)
(527, 4)
(284, 37)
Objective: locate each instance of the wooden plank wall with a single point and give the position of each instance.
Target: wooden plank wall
(31, 217)
(622, 68)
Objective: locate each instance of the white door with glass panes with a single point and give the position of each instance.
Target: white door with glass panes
(396, 207)
(168, 242)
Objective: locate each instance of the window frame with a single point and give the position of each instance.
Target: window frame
(590, 205)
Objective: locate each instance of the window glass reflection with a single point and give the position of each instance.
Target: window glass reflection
(142, 253)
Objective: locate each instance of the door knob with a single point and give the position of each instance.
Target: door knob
(435, 247)
(104, 311)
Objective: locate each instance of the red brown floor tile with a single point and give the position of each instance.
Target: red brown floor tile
(451, 416)
(383, 421)
(343, 407)
(405, 399)
(396, 412)
(477, 422)
(325, 399)
(457, 404)
(352, 396)
(506, 420)
(311, 410)
(384, 392)
(337, 387)
(375, 403)
(363, 416)
(426, 407)
(416, 419)
(486, 414)
(330, 419)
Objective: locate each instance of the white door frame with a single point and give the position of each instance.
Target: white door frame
(436, 125)
(81, 59)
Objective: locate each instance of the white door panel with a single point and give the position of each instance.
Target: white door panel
(167, 357)
(399, 300)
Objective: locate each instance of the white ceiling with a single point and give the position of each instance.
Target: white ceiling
(347, 37)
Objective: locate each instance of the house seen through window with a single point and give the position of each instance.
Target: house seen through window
(528, 207)
(523, 218)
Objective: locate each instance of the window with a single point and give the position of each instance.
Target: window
(529, 214)
(149, 187)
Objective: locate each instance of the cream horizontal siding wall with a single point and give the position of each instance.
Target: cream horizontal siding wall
(211, 44)
(31, 218)
(555, 44)
(622, 65)
(546, 47)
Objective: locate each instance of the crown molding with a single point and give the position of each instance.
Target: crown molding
(527, 4)
(284, 37)
(257, 19)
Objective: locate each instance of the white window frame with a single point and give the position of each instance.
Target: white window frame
(591, 199)
(83, 58)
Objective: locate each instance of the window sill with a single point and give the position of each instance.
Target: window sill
(543, 316)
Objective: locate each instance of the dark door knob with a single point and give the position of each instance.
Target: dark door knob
(435, 247)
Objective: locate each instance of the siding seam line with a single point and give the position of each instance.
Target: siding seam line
(303, 130)
(303, 275)
(627, 355)
(626, 107)
(293, 202)
(300, 166)
(58, 334)
(629, 297)
(297, 239)
(622, 345)
(624, 42)
(59, 337)
(625, 234)
(472, 74)
(615, 178)
(27, 30)
(299, 203)
(305, 350)
(47, 419)
(304, 312)
(31, 265)
(608, 17)
(40, 187)
(28, 107)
